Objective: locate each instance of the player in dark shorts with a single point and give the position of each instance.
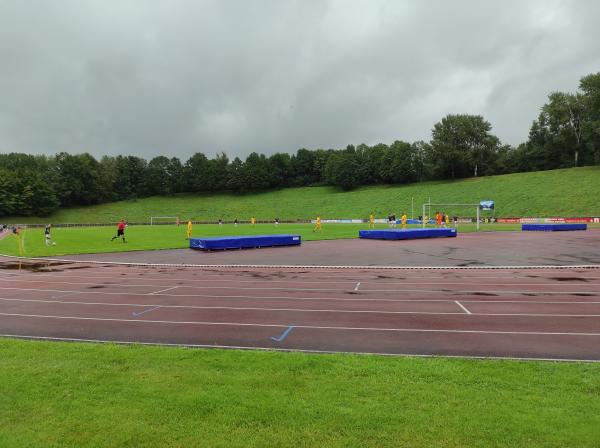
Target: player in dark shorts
(48, 237)
(120, 230)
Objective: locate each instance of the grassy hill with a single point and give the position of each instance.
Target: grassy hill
(566, 192)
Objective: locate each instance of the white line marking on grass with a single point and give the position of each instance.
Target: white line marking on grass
(464, 308)
(311, 327)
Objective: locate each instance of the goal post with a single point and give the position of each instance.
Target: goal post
(164, 220)
(427, 210)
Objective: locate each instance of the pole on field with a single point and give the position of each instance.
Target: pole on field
(423, 216)
(478, 219)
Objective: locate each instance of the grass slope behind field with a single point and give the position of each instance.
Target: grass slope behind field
(566, 192)
(71, 394)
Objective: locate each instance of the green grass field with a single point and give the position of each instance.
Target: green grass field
(566, 192)
(79, 395)
(76, 240)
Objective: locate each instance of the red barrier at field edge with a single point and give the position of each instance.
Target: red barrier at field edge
(548, 220)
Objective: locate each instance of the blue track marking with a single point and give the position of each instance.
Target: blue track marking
(283, 335)
(145, 311)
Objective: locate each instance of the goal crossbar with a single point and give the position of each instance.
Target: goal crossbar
(175, 219)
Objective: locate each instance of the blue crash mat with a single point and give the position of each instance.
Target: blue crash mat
(244, 242)
(552, 227)
(408, 234)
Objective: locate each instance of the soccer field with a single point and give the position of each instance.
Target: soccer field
(79, 240)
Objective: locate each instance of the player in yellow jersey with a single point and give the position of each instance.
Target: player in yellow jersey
(425, 220)
(372, 221)
(403, 218)
(189, 229)
(318, 225)
(252, 220)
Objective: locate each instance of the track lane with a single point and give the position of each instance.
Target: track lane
(515, 313)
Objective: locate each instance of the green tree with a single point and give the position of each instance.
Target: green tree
(196, 172)
(564, 115)
(590, 95)
(461, 145)
(235, 175)
(342, 170)
(158, 179)
(216, 173)
(256, 172)
(303, 164)
(8, 192)
(78, 179)
(280, 169)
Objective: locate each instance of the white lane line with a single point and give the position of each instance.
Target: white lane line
(230, 308)
(319, 279)
(312, 327)
(278, 349)
(460, 304)
(303, 310)
(357, 286)
(441, 290)
(284, 266)
(163, 290)
(336, 299)
(291, 280)
(137, 285)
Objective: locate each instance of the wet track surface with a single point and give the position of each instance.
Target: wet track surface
(521, 313)
(469, 249)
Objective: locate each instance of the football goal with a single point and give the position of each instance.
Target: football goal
(164, 220)
(448, 209)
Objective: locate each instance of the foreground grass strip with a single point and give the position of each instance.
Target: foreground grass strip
(68, 394)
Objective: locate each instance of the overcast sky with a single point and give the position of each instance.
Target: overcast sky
(174, 77)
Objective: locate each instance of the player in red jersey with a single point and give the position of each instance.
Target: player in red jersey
(120, 230)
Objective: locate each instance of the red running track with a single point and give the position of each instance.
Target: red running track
(517, 313)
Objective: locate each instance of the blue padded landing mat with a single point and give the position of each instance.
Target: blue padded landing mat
(408, 234)
(244, 242)
(552, 227)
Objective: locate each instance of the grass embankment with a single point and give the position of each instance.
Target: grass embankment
(77, 240)
(566, 192)
(67, 394)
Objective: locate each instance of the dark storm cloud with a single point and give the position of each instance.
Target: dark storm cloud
(175, 77)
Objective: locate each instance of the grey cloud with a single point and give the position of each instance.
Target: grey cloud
(176, 77)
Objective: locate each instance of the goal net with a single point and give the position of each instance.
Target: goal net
(164, 220)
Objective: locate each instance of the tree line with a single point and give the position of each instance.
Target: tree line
(565, 134)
